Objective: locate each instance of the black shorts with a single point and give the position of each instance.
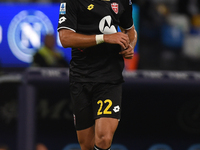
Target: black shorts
(95, 100)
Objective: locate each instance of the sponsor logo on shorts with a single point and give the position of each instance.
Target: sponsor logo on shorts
(116, 109)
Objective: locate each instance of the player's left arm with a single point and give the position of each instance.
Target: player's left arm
(132, 34)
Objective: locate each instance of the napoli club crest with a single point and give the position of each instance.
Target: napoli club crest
(115, 7)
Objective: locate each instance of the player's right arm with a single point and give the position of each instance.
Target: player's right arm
(72, 39)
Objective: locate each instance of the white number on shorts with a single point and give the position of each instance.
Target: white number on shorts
(106, 109)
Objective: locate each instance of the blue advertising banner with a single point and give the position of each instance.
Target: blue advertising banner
(22, 28)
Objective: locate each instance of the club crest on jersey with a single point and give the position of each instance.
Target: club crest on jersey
(63, 8)
(114, 7)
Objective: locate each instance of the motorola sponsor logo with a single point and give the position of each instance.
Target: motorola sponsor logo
(105, 25)
(25, 33)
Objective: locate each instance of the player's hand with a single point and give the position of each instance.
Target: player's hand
(117, 38)
(127, 53)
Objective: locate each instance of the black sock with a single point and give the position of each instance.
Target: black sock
(97, 148)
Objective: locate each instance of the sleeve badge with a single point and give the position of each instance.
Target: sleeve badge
(63, 8)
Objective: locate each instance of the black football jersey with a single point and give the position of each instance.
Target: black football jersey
(100, 63)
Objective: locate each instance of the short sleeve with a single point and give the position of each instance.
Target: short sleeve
(68, 15)
(126, 19)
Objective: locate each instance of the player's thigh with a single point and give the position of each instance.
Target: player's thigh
(104, 131)
(86, 137)
(105, 127)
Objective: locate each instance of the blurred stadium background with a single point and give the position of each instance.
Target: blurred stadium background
(161, 100)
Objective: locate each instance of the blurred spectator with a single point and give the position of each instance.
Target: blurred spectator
(40, 146)
(4, 147)
(48, 56)
(152, 17)
(189, 7)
